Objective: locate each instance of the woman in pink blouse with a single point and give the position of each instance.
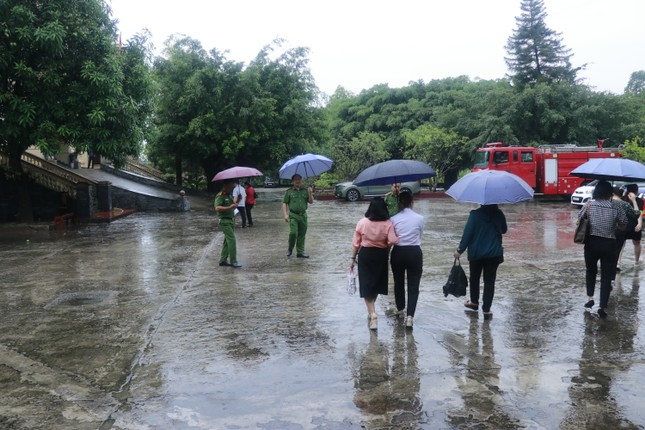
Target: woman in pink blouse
(372, 240)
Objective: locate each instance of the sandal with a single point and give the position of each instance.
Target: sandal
(373, 324)
(472, 306)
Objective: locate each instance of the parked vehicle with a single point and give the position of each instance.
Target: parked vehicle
(583, 193)
(546, 168)
(270, 183)
(352, 193)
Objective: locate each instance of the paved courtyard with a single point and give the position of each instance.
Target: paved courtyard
(133, 325)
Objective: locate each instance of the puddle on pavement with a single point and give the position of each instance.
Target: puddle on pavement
(280, 344)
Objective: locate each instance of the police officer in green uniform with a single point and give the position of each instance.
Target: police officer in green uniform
(294, 209)
(225, 208)
(392, 200)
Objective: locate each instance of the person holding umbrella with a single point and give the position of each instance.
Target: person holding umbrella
(604, 217)
(392, 199)
(225, 207)
(483, 238)
(294, 209)
(407, 256)
(485, 226)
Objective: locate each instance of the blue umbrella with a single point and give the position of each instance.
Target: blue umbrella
(611, 169)
(490, 187)
(394, 172)
(305, 165)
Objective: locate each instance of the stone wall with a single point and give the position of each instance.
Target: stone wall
(126, 199)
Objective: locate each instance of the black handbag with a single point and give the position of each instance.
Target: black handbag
(457, 281)
(582, 229)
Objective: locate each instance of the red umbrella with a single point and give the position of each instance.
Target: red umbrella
(236, 173)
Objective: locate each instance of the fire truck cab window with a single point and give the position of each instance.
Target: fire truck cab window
(501, 157)
(527, 157)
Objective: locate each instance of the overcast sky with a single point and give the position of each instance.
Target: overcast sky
(361, 43)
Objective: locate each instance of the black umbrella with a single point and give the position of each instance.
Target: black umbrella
(394, 172)
(611, 169)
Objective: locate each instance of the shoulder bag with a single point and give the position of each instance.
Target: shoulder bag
(582, 229)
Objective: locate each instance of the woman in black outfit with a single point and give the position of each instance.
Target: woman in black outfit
(604, 217)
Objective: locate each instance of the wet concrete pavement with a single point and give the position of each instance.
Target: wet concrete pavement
(133, 325)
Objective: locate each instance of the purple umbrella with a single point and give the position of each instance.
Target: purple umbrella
(489, 187)
(305, 165)
(236, 173)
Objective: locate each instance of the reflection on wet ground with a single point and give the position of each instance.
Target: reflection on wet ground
(133, 325)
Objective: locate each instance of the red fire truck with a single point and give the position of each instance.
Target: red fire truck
(545, 168)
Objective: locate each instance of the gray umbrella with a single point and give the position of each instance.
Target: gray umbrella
(394, 172)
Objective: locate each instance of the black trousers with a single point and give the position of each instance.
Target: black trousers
(603, 249)
(489, 267)
(406, 259)
(242, 211)
(248, 213)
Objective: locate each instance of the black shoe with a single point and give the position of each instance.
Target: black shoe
(602, 313)
(302, 256)
(223, 263)
(488, 316)
(589, 304)
(472, 306)
(235, 265)
(289, 252)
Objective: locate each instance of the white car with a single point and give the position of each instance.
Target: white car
(583, 193)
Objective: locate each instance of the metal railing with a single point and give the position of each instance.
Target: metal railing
(134, 166)
(572, 148)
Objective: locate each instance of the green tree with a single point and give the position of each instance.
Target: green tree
(215, 113)
(443, 150)
(636, 84)
(635, 149)
(280, 111)
(194, 87)
(535, 52)
(354, 155)
(66, 81)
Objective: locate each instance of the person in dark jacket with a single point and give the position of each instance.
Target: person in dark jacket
(483, 238)
(630, 204)
(633, 230)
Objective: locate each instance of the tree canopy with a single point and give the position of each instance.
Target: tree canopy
(65, 80)
(214, 113)
(535, 52)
